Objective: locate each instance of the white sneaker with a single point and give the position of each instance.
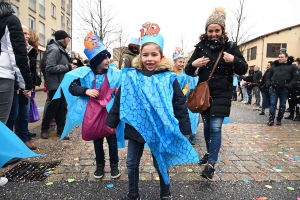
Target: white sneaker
(3, 181)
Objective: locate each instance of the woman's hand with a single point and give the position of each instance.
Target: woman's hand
(27, 93)
(92, 93)
(112, 129)
(228, 57)
(200, 62)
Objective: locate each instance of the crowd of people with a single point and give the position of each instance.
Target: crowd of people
(280, 81)
(147, 94)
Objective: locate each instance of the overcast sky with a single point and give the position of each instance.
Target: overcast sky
(188, 17)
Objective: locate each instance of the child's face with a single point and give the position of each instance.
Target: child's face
(104, 64)
(179, 63)
(151, 56)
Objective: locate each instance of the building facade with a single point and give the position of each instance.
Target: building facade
(45, 17)
(262, 49)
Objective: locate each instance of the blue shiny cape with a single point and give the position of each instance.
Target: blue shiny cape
(182, 79)
(194, 117)
(77, 105)
(11, 146)
(146, 104)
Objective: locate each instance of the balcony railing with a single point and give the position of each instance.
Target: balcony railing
(42, 10)
(42, 39)
(63, 26)
(68, 9)
(63, 4)
(32, 4)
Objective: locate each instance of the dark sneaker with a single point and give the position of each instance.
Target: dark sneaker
(31, 134)
(297, 118)
(192, 139)
(115, 172)
(278, 123)
(208, 171)
(271, 123)
(129, 197)
(287, 110)
(45, 134)
(204, 159)
(166, 197)
(262, 113)
(248, 103)
(289, 117)
(99, 171)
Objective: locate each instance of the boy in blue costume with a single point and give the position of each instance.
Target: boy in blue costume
(152, 105)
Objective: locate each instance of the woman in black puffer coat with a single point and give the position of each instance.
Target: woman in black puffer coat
(232, 61)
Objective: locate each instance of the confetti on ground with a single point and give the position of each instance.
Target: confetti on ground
(49, 183)
(190, 170)
(268, 186)
(246, 181)
(70, 180)
(157, 178)
(262, 198)
(222, 170)
(76, 158)
(110, 185)
(290, 188)
(143, 178)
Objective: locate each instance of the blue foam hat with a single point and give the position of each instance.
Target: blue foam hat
(150, 33)
(93, 45)
(178, 53)
(135, 41)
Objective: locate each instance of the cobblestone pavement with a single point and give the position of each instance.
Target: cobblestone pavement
(251, 151)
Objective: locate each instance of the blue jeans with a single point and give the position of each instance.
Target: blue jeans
(249, 92)
(213, 135)
(282, 94)
(13, 115)
(134, 154)
(21, 125)
(112, 147)
(265, 100)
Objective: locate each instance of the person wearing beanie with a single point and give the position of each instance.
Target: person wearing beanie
(57, 64)
(152, 105)
(212, 43)
(129, 53)
(97, 83)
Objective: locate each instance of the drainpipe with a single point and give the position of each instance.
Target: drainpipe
(262, 54)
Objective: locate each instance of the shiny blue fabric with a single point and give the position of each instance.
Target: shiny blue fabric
(77, 105)
(11, 146)
(146, 104)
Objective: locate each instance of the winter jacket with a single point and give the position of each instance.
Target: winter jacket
(13, 47)
(263, 84)
(179, 105)
(283, 75)
(222, 79)
(32, 56)
(256, 78)
(57, 64)
(127, 57)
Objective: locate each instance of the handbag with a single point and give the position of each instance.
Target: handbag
(33, 114)
(199, 98)
(93, 125)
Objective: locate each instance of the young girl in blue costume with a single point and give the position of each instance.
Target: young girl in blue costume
(81, 90)
(186, 83)
(152, 105)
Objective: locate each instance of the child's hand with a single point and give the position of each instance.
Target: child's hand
(92, 93)
(112, 129)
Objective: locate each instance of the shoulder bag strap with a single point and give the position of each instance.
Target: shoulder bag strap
(216, 63)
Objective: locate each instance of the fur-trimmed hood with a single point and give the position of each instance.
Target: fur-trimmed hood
(290, 60)
(165, 64)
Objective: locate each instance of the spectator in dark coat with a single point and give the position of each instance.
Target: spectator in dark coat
(249, 80)
(265, 90)
(255, 83)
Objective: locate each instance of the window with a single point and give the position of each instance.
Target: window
(68, 26)
(31, 23)
(253, 51)
(273, 49)
(53, 10)
(68, 7)
(42, 33)
(63, 4)
(62, 21)
(16, 9)
(248, 54)
(42, 8)
(32, 5)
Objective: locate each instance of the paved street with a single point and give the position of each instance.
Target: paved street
(252, 155)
